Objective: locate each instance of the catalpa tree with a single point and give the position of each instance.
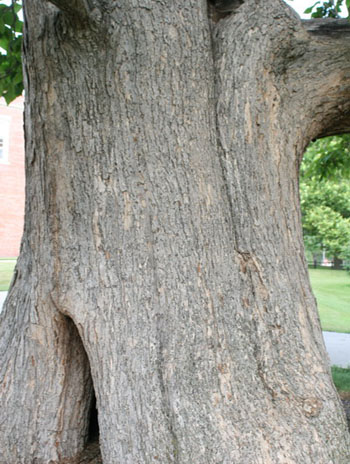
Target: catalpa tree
(162, 267)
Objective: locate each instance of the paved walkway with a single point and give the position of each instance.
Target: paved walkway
(2, 299)
(338, 347)
(337, 344)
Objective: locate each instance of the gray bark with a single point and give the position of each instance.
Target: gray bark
(162, 259)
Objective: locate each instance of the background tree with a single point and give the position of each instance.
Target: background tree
(162, 264)
(325, 198)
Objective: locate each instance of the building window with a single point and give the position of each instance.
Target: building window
(4, 139)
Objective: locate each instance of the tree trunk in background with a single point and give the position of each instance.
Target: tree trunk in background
(162, 262)
(337, 263)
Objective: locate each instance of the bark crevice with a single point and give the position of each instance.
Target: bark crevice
(165, 398)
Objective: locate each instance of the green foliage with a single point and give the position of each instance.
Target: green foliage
(341, 378)
(325, 201)
(11, 81)
(328, 157)
(327, 9)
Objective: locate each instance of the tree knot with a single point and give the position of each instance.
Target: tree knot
(312, 407)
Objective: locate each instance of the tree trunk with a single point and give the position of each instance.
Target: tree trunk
(162, 264)
(337, 263)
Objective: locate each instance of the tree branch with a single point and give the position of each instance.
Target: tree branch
(306, 66)
(327, 72)
(335, 28)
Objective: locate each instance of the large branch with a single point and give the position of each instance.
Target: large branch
(303, 67)
(328, 70)
(335, 28)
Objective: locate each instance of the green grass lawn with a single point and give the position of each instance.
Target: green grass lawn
(341, 378)
(6, 270)
(332, 291)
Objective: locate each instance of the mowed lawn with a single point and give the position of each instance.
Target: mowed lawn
(6, 270)
(332, 291)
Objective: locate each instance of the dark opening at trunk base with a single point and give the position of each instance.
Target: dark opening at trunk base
(91, 453)
(93, 423)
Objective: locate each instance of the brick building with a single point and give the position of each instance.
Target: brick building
(11, 177)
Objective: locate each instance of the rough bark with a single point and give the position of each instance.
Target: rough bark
(162, 245)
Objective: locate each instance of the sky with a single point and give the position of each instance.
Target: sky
(300, 6)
